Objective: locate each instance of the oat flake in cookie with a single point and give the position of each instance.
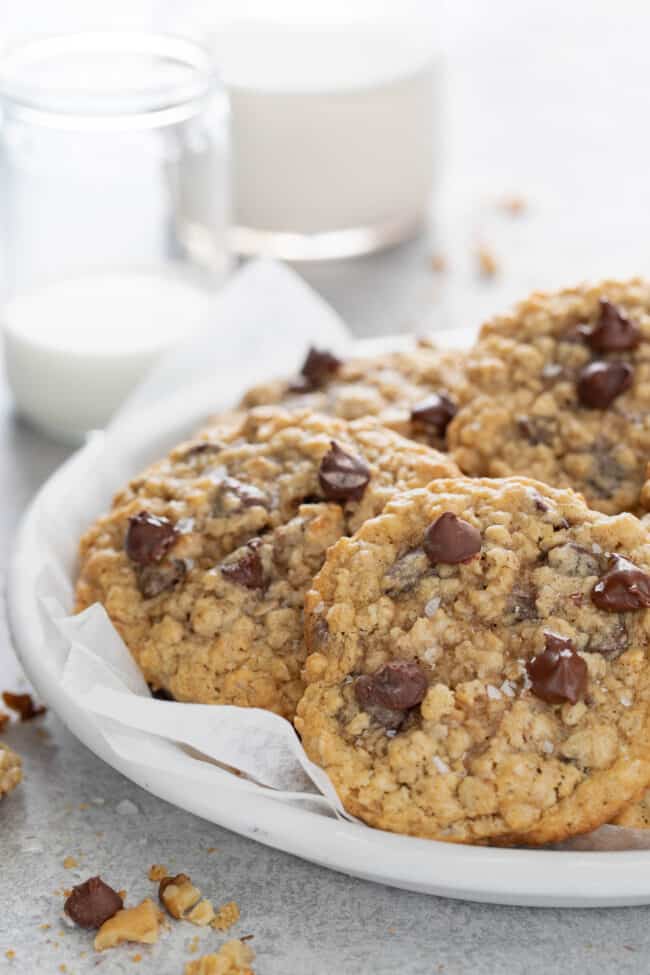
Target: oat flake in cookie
(564, 384)
(416, 393)
(203, 561)
(466, 680)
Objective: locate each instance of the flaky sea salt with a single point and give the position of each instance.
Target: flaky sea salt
(432, 607)
(493, 692)
(625, 700)
(441, 766)
(547, 747)
(596, 549)
(508, 688)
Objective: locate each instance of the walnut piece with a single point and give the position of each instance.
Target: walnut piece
(233, 958)
(139, 924)
(227, 915)
(178, 894)
(10, 770)
(202, 914)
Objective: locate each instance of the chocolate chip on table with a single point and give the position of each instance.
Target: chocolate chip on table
(559, 673)
(397, 686)
(92, 903)
(148, 538)
(23, 704)
(449, 539)
(599, 383)
(152, 580)
(613, 331)
(343, 476)
(435, 412)
(623, 588)
(246, 569)
(319, 366)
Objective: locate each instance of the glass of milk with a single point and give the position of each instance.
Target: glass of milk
(335, 119)
(113, 239)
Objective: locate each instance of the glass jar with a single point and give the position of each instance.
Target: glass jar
(114, 215)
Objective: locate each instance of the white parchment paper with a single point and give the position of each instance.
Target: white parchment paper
(263, 322)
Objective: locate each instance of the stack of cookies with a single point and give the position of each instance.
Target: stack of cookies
(435, 564)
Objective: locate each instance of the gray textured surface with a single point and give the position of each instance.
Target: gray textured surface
(545, 99)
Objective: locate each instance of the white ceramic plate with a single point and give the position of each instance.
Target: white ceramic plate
(547, 878)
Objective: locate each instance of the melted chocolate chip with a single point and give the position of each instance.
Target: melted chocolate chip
(246, 569)
(537, 429)
(397, 686)
(558, 674)
(435, 413)
(613, 332)
(318, 367)
(623, 588)
(92, 903)
(343, 476)
(148, 538)
(600, 383)
(154, 579)
(451, 540)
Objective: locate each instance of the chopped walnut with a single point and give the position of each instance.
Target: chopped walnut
(178, 894)
(157, 871)
(227, 915)
(10, 770)
(139, 924)
(233, 958)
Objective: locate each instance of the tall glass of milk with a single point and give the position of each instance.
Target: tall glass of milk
(113, 241)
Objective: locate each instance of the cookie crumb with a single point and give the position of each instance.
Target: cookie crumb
(212, 849)
(193, 945)
(4, 720)
(23, 704)
(139, 924)
(178, 894)
(227, 915)
(233, 958)
(136, 958)
(10, 953)
(157, 871)
(513, 205)
(10, 770)
(487, 263)
(70, 863)
(438, 263)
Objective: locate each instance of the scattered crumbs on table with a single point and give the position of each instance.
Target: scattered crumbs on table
(136, 958)
(233, 958)
(514, 205)
(10, 953)
(487, 263)
(4, 720)
(70, 863)
(212, 849)
(83, 806)
(193, 945)
(157, 871)
(227, 915)
(438, 263)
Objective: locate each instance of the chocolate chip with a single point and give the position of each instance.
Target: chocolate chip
(318, 367)
(558, 674)
(450, 539)
(232, 494)
(397, 686)
(343, 476)
(537, 429)
(600, 383)
(623, 588)
(154, 579)
(92, 903)
(148, 538)
(23, 704)
(613, 332)
(435, 412)
(246, 569)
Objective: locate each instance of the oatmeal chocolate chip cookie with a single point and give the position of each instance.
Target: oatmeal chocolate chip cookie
(563, 394)
(479, 665)
(416, 393)
(10, 770)
(203, 562)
